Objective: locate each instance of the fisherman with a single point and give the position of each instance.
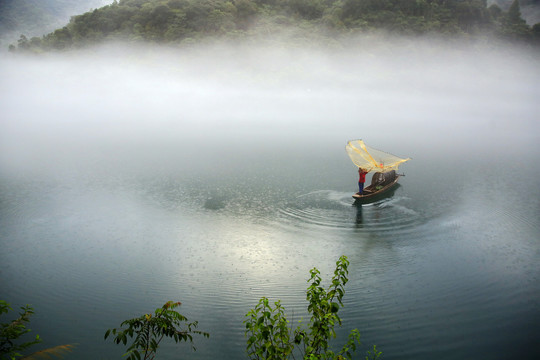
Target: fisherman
(362, 173)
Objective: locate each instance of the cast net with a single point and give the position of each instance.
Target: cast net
(371, 159)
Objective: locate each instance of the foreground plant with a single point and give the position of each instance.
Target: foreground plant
(150, 329)
(10, 332)
(269, 335)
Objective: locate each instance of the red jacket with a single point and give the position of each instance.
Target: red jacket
(362, 176)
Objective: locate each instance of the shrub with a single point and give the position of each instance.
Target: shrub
(269, 335)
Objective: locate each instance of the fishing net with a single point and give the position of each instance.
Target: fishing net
(371, 159)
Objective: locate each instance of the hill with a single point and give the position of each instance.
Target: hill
(38, 17)
(181, 21)
(530, 9)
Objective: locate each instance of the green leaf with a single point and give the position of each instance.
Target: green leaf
(148, 331)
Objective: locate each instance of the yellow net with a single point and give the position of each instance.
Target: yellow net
(371, 159)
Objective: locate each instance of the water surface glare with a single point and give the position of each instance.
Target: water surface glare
(216, 175)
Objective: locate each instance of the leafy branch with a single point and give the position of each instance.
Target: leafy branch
(149, 330)
(269, 334)
(11, 331)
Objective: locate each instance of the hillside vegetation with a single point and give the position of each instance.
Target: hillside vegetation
(530, 9)
(181, 21)
(37, 17)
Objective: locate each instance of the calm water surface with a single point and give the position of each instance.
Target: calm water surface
(123, 187)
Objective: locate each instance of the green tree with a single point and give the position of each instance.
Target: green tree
(269, 335)
(536, 32)
(149, 330)
(307, 9)
(60, 39)
(10, 333)
(514, 13)
(245, 13)
(513, 24)
(22, 43)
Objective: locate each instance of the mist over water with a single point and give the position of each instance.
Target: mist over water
(216, 174)
(112, 99)
(134, 99)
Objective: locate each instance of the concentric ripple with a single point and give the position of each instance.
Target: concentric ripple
(332, 209)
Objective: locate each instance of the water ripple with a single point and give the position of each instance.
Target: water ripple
(336, 210)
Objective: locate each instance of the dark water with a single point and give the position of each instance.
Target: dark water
(105, 215)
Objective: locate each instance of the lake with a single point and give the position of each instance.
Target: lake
(218, 175)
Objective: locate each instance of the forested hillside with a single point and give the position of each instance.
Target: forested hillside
(530, 9)
(38, 17)
(180, 21)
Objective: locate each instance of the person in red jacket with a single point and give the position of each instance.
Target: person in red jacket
(362, 173)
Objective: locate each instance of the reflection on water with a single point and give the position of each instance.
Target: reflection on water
(155, 195)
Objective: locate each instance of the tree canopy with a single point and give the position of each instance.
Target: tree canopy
(180, 21)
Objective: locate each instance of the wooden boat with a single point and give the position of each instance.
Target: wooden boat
(382, 185)
(368, 159)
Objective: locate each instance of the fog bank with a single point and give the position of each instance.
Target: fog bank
(115, 107)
